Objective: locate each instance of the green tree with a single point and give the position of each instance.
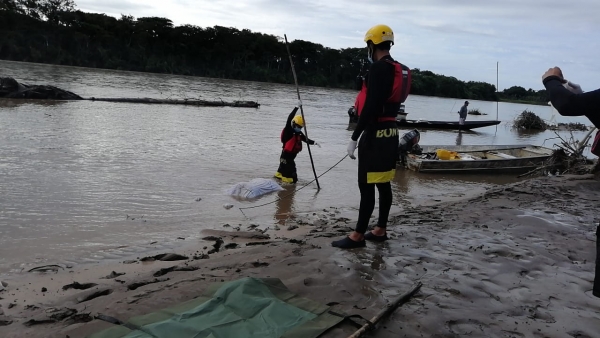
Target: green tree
(53, 31)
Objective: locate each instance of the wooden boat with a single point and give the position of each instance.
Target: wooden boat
(424, 124)
(479, 158)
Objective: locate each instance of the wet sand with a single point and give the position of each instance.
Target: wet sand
(516, 261)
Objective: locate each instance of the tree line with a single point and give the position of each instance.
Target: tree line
(55, 32)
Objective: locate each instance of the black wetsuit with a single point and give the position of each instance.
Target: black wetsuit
(570, 104)
(292, 145)
(378, 145)
(588, 105)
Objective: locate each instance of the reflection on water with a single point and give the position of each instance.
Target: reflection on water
(81, 177)
(459, 137)
(13, 103)
(413, 187)
(285, 203)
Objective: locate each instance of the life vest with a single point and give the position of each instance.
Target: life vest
(293, 144)
(402, 82)
(360, 99)
(400, 89)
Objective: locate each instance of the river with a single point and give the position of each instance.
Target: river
(85, 181)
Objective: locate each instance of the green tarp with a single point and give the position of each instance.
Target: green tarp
(249, 307)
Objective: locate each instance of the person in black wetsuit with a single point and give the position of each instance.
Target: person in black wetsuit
(570, 100)
(388, 85)
(292, 138)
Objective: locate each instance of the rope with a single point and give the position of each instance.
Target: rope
(293, 192)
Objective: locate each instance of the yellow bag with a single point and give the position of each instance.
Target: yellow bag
(444, 154)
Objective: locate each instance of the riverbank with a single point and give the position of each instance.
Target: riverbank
(517, 260)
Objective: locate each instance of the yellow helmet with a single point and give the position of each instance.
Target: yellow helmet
(379, 33)
(298, 120)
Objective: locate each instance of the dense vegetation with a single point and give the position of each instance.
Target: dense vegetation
(53, 31)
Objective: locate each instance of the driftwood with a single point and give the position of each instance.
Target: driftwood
(388, 310)
(204, 103)
(569, 126)
(567, 159)
(475, 112)
(44, 268)
(528, 120)
(11, 89)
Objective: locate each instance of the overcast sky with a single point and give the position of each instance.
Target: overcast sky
(460, 38)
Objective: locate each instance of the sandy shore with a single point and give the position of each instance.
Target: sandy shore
(516, 261)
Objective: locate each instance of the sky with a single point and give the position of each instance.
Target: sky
(466, 39)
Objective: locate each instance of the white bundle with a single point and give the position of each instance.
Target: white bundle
(255, 188)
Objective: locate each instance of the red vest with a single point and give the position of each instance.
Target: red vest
(293, 145)
(360, 99)
(402, 82)
(400, 89)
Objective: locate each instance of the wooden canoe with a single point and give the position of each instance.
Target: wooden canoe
(453, 125)
(424, 124)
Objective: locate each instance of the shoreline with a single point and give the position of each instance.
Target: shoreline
(521, 253)
(291, 84)
(115, 254)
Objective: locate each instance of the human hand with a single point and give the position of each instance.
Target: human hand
(553, 72)
(316, 144)
(573, 87)
(351, 148)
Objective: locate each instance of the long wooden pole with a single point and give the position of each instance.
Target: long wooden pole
(301, 110)
(389, 309)
(497, 91)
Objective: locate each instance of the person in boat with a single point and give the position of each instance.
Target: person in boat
(292, 138)
(387, 86)
(570, 100)
(462, 113)
(409, 143)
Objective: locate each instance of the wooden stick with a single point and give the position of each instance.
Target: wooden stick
(301, 111)
(388, 310)
(584, 141)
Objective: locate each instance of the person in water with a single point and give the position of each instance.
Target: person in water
(292, 138)
(387, 87)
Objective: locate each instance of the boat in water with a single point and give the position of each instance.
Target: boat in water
(450, 125)
(477, 158)
(403, 122)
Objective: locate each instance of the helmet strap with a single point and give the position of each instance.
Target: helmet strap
(370, 48)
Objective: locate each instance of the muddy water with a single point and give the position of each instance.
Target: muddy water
(83, 181)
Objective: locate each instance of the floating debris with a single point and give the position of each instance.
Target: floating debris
(528, 120)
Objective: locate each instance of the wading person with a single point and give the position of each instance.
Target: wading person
(570, 100)
(292, 138)
(388, 85)
(462, 113)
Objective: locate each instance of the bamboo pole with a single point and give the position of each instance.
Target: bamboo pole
(301, 111)
(497, 93)
(388, 310)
